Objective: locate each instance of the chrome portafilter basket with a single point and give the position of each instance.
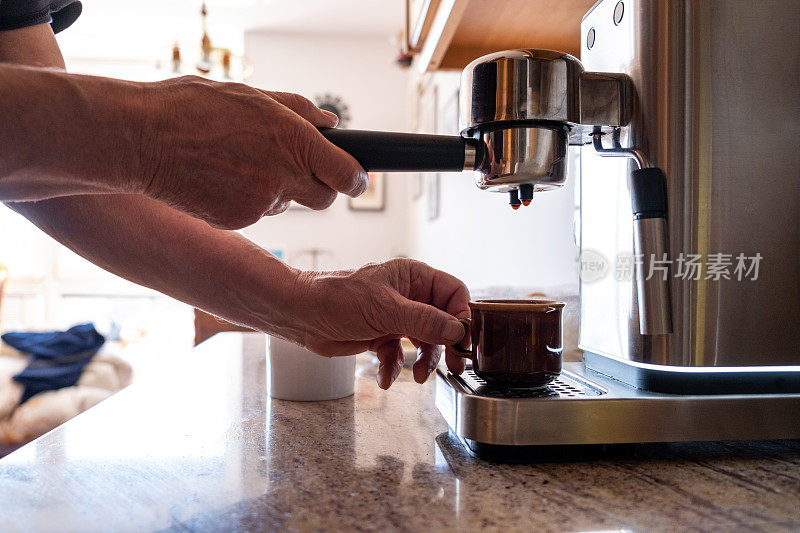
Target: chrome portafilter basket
(520, 110)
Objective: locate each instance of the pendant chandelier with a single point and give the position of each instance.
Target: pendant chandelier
(207, 60)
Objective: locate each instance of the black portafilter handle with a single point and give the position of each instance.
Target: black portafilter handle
(387, 151)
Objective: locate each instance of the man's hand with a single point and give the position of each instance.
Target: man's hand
(343, 313)
(225, 153)
(230, 154)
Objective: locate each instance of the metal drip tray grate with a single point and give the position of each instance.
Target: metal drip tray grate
(565, 386)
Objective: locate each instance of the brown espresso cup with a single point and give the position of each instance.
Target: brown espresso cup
(515, 343)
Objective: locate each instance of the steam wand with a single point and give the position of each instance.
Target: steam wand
(649, 205)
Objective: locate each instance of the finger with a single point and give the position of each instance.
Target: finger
(428, 356)
(333, 166)
(305, 108)
(390, 356)
(330, 164)
(440, 289)
(424, 322)
(312, 193)
(455, 363)
(443, 291)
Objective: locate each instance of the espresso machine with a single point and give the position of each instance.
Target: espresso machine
(685, 114)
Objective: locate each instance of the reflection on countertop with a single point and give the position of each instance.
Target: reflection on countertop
(202, 447)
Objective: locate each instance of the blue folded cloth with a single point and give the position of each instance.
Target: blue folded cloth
(57, 357)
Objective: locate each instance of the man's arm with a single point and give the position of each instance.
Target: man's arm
(62, 134)
(220, 271)
(145, 241)
(152, 245)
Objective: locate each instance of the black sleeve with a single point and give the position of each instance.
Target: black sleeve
(16, 14)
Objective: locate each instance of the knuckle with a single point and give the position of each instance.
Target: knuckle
(389, 314)
(299, 102)
(295, 143)
(427, 315)
(372, 270)
(324, 200)
(300, 135)
(404, 262)
(276, 209)
(190, 78)
(403, 265)
(408, 274)
(237, 220)
(196, 82)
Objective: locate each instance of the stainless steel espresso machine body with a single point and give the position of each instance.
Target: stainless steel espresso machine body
(686, 114)
(718, 109)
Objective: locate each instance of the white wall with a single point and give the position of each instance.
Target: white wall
(480, 239)
(362, 72)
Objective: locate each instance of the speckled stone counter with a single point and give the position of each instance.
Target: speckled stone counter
(201, 447)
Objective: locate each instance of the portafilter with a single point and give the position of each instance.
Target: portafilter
(519, 111)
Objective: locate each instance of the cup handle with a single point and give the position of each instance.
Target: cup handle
(466, 354)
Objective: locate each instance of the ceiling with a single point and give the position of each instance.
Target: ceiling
(144, 29)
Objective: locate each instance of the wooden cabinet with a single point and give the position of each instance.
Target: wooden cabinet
(448, 34)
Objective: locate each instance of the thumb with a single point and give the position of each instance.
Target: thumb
(428, 324)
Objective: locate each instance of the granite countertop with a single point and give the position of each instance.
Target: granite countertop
(200, 446)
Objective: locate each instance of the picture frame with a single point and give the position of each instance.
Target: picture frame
(416, 185)
(432, 194)
(447, 109)
(374, 199)
(428, 117)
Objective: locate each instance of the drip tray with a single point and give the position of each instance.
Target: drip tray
(566, 386)
(584, 407)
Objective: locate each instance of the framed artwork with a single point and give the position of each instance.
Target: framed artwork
(447, 108)
(444, 121)
(428, 116)
(416, 186)
(374, 197)
(432, 193)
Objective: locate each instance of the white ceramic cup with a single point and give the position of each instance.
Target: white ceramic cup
(297, 374)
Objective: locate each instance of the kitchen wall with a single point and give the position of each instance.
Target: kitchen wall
(476, 235)
(360, 70)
